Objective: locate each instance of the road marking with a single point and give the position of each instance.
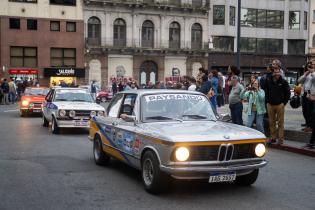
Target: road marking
(13, 110)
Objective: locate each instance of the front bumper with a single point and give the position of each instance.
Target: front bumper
(73, 123)
(202, 169)
(31, 110)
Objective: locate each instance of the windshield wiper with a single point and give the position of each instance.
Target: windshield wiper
(163, 118)
(62, 99)
(80, 100)
(195, 116)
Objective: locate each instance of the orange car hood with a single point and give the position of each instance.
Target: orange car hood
(38, 99)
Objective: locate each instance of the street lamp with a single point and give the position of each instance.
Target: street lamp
(238, 54)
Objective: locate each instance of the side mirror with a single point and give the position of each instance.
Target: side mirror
(98, 101)
(128, 118)
(225, 118)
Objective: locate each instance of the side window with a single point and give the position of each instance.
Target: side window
(128, 104)
(48, 96)
(113, 108)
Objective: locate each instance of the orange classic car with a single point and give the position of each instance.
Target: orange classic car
(31, 101)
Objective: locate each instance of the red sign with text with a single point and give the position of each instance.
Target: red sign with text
(23, 71)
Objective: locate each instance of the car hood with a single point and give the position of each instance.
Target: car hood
(38, 99)
(189, 131)
(79, 106)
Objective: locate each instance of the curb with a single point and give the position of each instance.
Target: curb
(285, 147)
(298, 136)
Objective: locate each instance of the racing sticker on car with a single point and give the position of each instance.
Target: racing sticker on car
(164, 97)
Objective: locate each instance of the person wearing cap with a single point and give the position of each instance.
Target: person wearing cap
(235, 100)
(278, 93)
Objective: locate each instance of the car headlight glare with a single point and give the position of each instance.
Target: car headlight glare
(72, 113)
(62, 113)
(100, 113)
(260, 150)
(93, 113)
(182, 154)
(25, 103)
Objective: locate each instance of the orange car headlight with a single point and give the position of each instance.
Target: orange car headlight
(25, 103)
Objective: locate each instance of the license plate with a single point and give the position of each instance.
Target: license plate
(222, 177)
(37, 110)
(81, 123)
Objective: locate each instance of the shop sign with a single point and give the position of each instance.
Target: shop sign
(23, 71)
(64, 72)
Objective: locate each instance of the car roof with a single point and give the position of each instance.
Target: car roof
(141, 92)
(68, 88)
(37, 87)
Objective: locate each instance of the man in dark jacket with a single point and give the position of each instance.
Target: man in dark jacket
(206, 85)
(5, 89)
(277, 92)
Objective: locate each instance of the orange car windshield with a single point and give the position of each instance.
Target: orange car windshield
(36, 91)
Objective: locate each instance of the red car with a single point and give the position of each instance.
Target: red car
(31, 101)
(104, 95)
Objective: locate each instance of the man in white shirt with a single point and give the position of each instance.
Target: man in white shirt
(192, 84)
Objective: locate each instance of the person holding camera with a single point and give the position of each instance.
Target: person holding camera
(256, 105)
(277, 96)
(306, 80)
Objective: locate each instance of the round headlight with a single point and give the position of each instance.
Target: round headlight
(25, 103)
(182, 154)
(62, 113)
(72, 113)
(93, 113)
(100, 113)
(260, 150)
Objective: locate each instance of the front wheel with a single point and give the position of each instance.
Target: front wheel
(23, 113)
(100, 157)
(154, 180)
(45, 121)
(54, 126)
(248, 179)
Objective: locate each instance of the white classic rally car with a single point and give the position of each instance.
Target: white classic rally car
(69, 108)
(175, 134)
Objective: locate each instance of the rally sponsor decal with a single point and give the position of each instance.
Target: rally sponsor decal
(165, 97)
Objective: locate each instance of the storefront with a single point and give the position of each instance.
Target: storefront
(24, 74)
(67, 75)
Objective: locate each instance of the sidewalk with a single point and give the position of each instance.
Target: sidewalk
(295, 147)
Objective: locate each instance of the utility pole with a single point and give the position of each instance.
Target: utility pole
(238, 42)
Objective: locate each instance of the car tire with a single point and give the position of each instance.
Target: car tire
(54, 127)
(103, 99)
(45, 121)
(23, 113)
(248, 179)
(100, 157)
(154, 180)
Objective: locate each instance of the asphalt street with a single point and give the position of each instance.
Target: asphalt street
(40, 170)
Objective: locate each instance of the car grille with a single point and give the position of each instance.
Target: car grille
(37, 105)
(80, 113)
(210, 153)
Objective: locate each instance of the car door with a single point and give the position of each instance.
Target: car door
(50, 106)
(46, 105)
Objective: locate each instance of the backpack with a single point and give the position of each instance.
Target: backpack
(295, 102)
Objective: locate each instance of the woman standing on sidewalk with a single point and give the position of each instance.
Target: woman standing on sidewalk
(256, 105)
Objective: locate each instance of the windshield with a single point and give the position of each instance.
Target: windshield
(73, 95)
(176, 107)
(36, 91)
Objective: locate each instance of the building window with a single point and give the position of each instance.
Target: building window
(197, 3)
(223, 43)
(174, 35)
(313, 44)
(71, 26)
(24, 1)
(148, 34)
(262, 18)
(296, 47)
(63, 2)
(31, 24)
(94, 31)
(55, 25)
(174, 2)
(23, 56)
(232, 16)
(196, 36)
(275, 19)
(119, 33)
(313, 15)
(14, 23)
(294, 20)
(262, 46)
(305, 21)
(249, 17)
(218, 14)
(62, 57)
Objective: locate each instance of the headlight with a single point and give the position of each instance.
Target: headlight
(25, 103)
(62, 113)
(182, 154)
(93, 113)
(72, 113)
(100, 113)
(260, 150)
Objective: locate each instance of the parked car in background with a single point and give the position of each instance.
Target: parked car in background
(104, 95)
(175, 134)
(32, 99)
(69, 108)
